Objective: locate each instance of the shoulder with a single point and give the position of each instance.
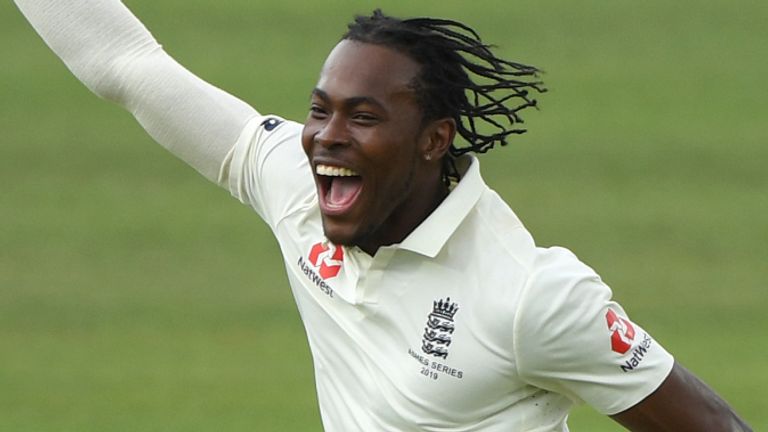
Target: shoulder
(272, 129)
(572, 338)
(267, 168)
(558, 269)
(560, 291)
(500, 233)
(262, 135)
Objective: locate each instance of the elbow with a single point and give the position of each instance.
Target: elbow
(734, 423)
(721, 418)
(112, 78)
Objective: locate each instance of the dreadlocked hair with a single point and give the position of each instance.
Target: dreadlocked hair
(450, 53)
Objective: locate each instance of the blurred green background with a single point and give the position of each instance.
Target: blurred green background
(135, 296)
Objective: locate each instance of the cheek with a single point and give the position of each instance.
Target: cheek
(307, 135)
(400, 164)
(393, 145)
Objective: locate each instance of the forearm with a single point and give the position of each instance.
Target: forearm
(115, 56)
(682, 403)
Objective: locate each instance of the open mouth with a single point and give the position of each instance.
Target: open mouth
(338, 187)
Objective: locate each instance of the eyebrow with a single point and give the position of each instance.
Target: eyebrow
(350, 102)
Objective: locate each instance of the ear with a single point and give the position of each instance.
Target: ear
(439, 136)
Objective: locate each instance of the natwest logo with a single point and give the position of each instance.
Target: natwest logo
(622, 332)
(328, 257)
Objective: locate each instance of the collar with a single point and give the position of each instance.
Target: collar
(431, 235)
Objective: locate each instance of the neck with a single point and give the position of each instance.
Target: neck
(409, 215)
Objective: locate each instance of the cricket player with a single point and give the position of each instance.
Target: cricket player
(426, 302)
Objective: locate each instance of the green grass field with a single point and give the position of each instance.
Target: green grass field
(135, 296)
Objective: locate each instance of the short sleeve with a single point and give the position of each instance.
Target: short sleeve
(571, 338)
(268, 170)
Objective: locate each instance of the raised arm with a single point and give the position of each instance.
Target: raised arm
(116, 57)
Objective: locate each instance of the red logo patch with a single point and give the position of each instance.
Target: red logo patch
(329, 257)
(622, 332)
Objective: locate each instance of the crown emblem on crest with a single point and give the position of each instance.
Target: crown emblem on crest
(440, 328)
(445, 309)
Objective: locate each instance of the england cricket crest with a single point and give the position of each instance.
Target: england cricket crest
(440, 327)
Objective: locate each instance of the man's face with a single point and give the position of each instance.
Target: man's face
(365, 143)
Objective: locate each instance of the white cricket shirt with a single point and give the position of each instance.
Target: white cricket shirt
(464, 326)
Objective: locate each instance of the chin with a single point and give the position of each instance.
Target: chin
(339, 234)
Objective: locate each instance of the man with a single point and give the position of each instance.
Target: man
(426, 302)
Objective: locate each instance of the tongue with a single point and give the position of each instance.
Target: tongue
(343, 190)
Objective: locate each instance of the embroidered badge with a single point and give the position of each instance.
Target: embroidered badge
(439, 329)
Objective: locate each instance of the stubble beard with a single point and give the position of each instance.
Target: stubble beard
(368, 234)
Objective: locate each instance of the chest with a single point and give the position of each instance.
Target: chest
(406, 336)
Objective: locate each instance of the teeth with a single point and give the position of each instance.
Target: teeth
(333, 171)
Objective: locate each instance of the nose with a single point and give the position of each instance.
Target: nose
(333, 132)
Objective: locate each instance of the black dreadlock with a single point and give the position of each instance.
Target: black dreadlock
(448, 52)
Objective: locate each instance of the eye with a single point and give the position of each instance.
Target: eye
(365, 118)
(317, 112)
